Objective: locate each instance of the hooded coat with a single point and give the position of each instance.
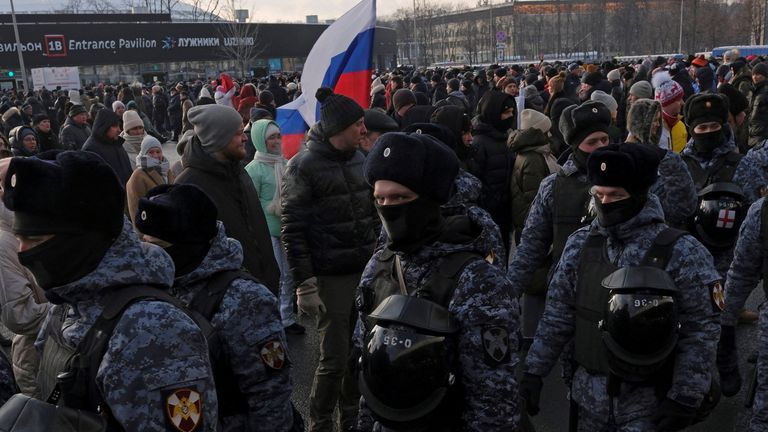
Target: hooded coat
(230, 188)
(329, 222)
(111, 151)
(263, 176)
(155, 347)
(492, 160)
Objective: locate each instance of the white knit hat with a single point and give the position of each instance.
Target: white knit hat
(131, 119)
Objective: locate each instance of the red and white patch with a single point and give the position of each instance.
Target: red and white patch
(273, 354)
(726, 219)
(184, 409)
(718, 295)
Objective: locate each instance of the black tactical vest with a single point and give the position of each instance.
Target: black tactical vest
(721, 172)
(570, 210)
(592, 297)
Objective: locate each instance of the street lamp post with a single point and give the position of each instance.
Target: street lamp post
(680, 40)
(18, 48)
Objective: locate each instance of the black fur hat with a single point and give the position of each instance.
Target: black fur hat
(178, 214)
(705, 108)
(631, 166)
(416, 161)
(64, 192)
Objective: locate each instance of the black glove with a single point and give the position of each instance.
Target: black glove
(728, 362)
(530, 392)
(672, 416)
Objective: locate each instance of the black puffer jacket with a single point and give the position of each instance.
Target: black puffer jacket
(237, 201)
(111, 151)
(492, 162)
(329, 222)
(758, 114)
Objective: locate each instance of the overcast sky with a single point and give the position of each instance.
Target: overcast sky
(296, 10)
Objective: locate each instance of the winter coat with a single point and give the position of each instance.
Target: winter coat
(329, 222)
(185, 123)
(683, 78)
(532, 150)
(246, 322)
(481, 300)
(159, 107)
(141, 181)
(492, 164)
(263, 177)
(415, 114)
(758, 114)
(230, 188)
(156, 349)
(281, 96)
(72, 136)
(379, 100)
(24, 307)
(47, 141)
(112, 152)
(743, 82)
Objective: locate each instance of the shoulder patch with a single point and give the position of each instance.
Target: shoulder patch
(272, 354)
(495, 344)
(718, 296)
(183, 408)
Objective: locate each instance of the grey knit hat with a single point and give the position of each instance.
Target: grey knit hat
(642, 89)
(605, 99)
(214, 125)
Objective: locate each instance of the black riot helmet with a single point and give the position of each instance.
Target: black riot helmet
(640, 322)
(721, 211)
(405, 374)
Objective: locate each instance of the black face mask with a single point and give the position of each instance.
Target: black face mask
(411, 225)
(187, 257)
(580, 159)
(621, 211)
(706, 143)
(504, 125)
(64, 259)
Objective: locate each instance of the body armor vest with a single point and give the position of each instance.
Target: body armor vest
(570, 211)
(721, 172)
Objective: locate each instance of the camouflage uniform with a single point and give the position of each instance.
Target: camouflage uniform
(482, 298)
(745, 176)
(675, 190)
(759, 420)
(690, 267)
(467, 190)
(155, 350)
(247, 320)
(755, 171)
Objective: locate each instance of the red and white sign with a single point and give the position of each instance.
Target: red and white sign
(726, 219)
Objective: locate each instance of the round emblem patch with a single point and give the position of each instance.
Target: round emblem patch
(143, 215)
(718, 295)
(387, 151)
(603, 166)
(184, 409)
(708, 104)
(13, 180)
(594, 110)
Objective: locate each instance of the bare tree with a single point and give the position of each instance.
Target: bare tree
(240, 41)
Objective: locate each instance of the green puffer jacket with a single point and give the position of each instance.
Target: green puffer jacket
(263, 176)
(530, 168)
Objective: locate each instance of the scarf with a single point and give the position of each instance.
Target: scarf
(132, 143)
(670, 120)
(278, 163)
(149, 163)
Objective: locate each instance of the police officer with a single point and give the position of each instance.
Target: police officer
(438, 323)
(619, 382)
(747, 268)
(154, 373)
(254, 382)
(725, 182)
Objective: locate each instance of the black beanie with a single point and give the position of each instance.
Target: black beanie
(337, 112)
(417, 161)
(439, 132)
(75, 110)
(64, 192)
(583, 120)
(705, 108)
(377, 120)
(39, 118)
(592, 78)
(403, 97)
(737, 102)
(760, 68)
(178, 214)
(630, 166)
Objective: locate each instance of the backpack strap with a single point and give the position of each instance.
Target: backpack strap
(443, 281)
(208, 300)
(661, 249)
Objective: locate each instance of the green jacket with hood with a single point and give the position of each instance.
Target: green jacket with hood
(263, 175)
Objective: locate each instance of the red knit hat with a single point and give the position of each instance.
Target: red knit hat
(669, 92)
(699, 62)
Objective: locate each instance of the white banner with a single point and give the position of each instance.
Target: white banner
(68, 78)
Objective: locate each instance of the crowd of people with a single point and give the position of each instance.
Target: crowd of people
(453, 241)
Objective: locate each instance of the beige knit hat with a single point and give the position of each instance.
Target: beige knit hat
(131, 119)
(532, 119)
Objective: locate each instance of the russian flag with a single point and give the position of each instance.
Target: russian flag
(342, 59)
